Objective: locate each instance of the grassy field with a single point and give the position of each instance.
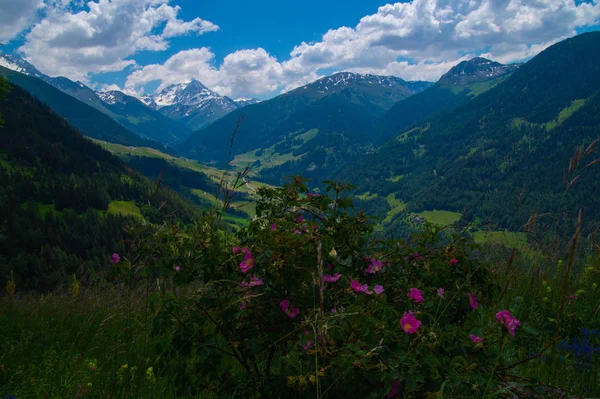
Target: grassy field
(442, 218)
(125, 208)
(397, 206)
(509, 239)
(93, 345)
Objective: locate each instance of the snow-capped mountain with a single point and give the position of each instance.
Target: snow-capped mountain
(244, 101)
(475, 70)
(191, 103)
(342, 80)
(126, 110)
(18, 64)
(383, 91)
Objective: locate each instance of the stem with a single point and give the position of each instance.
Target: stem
(495, 366)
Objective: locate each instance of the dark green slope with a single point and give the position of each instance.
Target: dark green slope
(322, 105)
(462, 83)
(515, 138)
(143, 120)
(90, 121)
(56, 190)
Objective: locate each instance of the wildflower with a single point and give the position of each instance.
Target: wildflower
(298, 232)
(309, 344)
(440, 292)
(374, 267)
(475, 338)
(300, 219)
(473, 301)
(248, 262)
(571, 298)
(357, 287)
(409, 323)
(328, 278)
(243, 305)
(313, 195)
(254, 281)
(273, 227)
(416, 295)
(236, 249)
(176, 268)
(394, 389)
(453, 261)
(416, 256)
(510, 322)
(333, 310)
(378, 289)
(290, 310)
(115, 258)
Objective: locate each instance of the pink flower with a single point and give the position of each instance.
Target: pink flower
(416, 256)
(313, 195)
(309, 344)
(360, 288)
(416, 295)
(248, 262)
(297, 232)
(243, 305)
(300, 219)
(115, 258)
(453, 261)
(409, 323)
(176, 268)
(374, 267)
(475, 338)
(473, 301)
(394, 389)
(333, 310)
(440, 292)
(510, 322)
(273, 227)
(236, 249)
(290, 310)
(328, 278)
(254, 281)
(378, 289)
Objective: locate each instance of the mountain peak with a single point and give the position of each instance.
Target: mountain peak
(20, 65)
(475, 70)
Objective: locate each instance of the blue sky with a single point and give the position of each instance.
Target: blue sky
(260, 48)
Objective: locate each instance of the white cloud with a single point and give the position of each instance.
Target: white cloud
(16, 16)
(417, 40)
(101, 38)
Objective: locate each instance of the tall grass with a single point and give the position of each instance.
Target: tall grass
(95, 345)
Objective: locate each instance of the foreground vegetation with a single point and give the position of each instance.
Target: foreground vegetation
(305, 302)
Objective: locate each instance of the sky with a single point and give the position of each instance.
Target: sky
(260, 48)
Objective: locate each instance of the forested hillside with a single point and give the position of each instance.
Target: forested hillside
(505, 153)
(87, 119)
(64, 199)
(326, 120)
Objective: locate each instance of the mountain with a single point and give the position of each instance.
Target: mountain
(89, 120)
(327, 120)
(475, 70)
(64, 201)
(505, 153)
(126, 110)
(139, 118)
(192, 104)
(462, 83)
(243, 102)
(18, 64)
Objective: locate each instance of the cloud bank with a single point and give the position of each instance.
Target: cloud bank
(416, 40)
